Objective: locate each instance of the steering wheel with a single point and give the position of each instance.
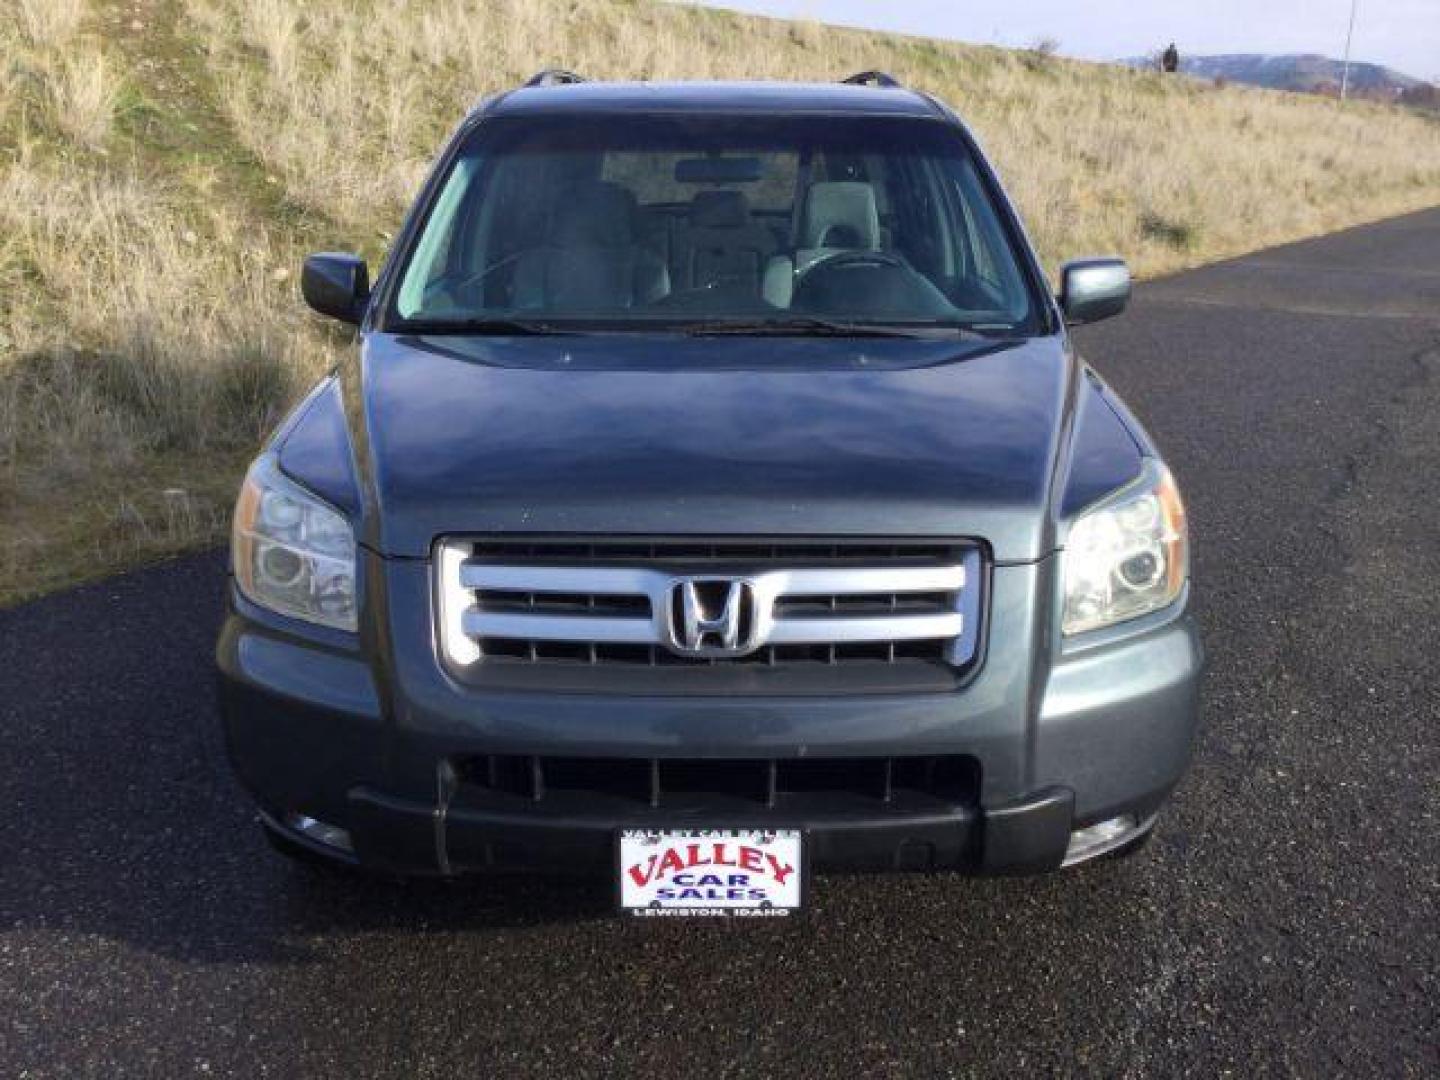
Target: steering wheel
(840, 260)
(892, 289)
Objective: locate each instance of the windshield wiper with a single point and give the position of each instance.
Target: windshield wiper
(809, 326)
(498, 327)
(805, 326)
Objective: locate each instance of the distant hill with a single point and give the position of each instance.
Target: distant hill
(1306, 73)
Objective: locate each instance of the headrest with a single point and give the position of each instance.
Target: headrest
(841, 213)
(719, 210)
(594, 213)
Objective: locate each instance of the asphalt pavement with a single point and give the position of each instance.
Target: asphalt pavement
(1286, 919)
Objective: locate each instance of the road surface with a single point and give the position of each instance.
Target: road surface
(1286, 919)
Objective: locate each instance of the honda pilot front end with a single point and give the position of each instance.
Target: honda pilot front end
(715, 497)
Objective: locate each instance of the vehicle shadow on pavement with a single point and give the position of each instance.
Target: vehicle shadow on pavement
(125, 821)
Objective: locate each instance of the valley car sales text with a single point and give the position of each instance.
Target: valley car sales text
(711, 871)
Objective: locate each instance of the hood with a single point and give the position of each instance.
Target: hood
(670, 435)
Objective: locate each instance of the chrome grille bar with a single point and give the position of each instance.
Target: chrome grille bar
(479, 623)
(620, 581)
(860, 581)
(546, 601)
(601, 580)
(847, 629)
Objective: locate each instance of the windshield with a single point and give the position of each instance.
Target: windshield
(708, 222)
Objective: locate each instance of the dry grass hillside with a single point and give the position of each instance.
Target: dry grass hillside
(164, 164)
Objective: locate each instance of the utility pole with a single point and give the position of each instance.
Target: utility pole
(1345, 71)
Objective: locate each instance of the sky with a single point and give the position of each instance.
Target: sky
(1402, 34)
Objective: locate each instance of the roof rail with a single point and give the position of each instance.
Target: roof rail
(872, 78)
(554, 77)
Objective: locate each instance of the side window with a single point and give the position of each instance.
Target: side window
(922, 229)
(986, 267)
(990, 266)
(431, 261)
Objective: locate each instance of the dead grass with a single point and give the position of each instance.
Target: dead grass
(353, 98)
(83, 97)
(165, 163)
(149, 335)
(49, 22)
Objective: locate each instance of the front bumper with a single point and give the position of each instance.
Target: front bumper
(368, 737)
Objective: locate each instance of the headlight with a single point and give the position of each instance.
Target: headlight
(293, 553)
(1127, 556)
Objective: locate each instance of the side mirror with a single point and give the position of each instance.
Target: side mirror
(1094, 289)
(337, 285)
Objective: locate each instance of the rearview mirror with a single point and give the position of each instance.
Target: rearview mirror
(337, 285)
(1093, 289)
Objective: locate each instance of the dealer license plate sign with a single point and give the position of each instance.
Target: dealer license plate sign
(697, 872)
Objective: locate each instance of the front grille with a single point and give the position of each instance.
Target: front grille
(584, 551)
(808, 615)
(562, 652)
(756, 784)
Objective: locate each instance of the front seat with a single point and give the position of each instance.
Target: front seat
(839, 215)
(592, 260)
(722, 243)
